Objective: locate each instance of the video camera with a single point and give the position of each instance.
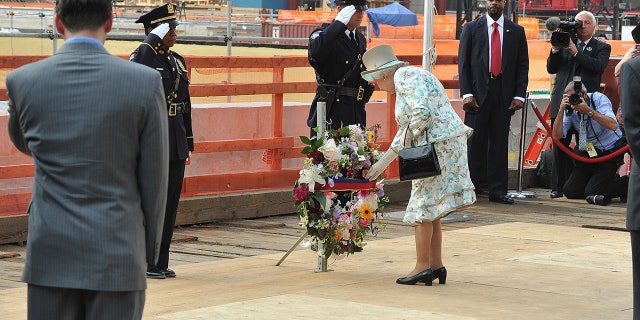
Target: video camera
(563, 30)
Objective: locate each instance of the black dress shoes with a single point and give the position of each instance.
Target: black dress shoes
(155, 273)
(556, 194)
(424, 276)
(169, 273)
(441, 275)
(500, 199)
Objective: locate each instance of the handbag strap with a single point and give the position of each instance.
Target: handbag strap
(405, 135)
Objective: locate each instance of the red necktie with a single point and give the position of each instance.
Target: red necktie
(496, 51)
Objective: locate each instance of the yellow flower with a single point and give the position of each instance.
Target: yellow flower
(365, 212)
(337, 236)
(369, 136)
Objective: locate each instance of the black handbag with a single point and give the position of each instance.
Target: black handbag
(418, 162)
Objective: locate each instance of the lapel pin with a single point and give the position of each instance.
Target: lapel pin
(589, 48)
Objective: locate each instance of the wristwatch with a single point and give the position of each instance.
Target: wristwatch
(590, 113)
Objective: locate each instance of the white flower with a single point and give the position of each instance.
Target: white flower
(310, 176)
(330, 150)
(371, 199)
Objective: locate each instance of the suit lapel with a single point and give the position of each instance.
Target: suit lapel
(590, 48)
(507, 42)
(484, 44)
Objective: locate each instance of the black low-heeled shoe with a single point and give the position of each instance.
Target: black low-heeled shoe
(424, 276)
(441, 275)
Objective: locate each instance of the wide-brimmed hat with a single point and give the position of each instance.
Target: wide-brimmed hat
(164, 13)
(380, 59)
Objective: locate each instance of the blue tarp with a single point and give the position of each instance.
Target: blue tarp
(393, 14)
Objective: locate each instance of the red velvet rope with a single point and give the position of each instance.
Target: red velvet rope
(569, 151)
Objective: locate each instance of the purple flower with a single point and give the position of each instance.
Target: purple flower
(336, 213)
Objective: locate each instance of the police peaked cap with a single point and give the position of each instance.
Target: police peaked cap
(359, 4)
(164, 13)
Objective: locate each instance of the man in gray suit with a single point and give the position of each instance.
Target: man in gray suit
(96, 127)
(629, 87)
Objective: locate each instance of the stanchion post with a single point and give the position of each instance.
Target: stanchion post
(523, 131)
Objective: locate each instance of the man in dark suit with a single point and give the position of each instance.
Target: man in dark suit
(155, 51)
(493, 85)
(629, 88)
(335, 53)
(100, 147)
(587, 58)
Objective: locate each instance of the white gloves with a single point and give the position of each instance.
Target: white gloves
(376, 170)
(161, 30)
(345, 14)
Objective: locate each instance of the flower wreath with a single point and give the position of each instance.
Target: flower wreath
(336, 205)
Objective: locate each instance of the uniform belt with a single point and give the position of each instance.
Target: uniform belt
(351, 92)
(175, 108)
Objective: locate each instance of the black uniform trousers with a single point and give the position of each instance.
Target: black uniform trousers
(488, 146)
(176, 176)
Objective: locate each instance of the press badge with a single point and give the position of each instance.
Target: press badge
(591, 150)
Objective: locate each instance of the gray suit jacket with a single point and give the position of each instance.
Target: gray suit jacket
(96, 126)
(629, 88)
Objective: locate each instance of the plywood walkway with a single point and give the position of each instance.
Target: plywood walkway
(539, 259)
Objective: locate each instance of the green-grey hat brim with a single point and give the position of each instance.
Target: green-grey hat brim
(369, 75)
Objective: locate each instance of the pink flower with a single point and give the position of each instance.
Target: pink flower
(364, 222)
(301, 193)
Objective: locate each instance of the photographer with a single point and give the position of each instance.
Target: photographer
(591, 114)
(569, 61)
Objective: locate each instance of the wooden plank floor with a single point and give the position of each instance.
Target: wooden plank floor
(568, 239)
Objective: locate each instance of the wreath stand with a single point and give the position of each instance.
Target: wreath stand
(321, 114)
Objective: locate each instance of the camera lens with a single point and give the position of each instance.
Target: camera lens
(575, 99)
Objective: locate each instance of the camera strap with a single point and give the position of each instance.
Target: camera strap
(593, 107)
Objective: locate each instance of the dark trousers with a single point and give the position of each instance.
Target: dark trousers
(595, 179)
(488, 146)
(77, 304)
(562, 164)
(176, 175)
(635, 260)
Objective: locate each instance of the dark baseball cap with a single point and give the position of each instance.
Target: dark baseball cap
(359, 4)
(164, 13)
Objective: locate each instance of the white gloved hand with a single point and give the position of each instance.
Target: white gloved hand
(161, 30)
(376, 170)
(345, 14)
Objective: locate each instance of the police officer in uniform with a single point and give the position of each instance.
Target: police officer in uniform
(155, 52)
(335, 53)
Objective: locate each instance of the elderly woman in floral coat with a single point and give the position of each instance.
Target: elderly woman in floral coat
(424, 115)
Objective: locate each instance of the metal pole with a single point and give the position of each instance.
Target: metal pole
(523, 131)
(427, 49)
(321, 113)
(228, 38)
(292, 248)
